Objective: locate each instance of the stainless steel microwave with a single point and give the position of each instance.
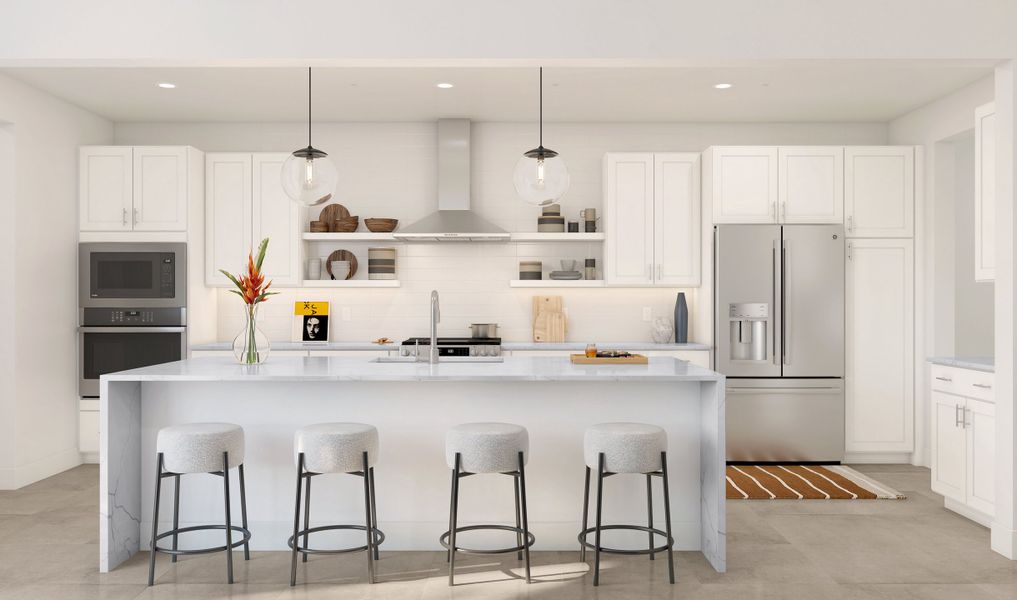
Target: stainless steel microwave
(132, 274)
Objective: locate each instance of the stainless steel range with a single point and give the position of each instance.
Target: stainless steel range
(453, 347)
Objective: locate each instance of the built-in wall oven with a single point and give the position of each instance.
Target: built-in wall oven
(133, 307)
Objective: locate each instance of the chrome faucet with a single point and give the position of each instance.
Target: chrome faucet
(435, 319)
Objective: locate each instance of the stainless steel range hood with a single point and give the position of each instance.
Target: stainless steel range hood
(453, 221)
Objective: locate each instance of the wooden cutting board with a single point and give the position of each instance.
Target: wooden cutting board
(635, 359)
(549, 321)
(547, 304)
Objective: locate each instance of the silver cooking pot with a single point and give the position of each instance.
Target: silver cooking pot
(483, 330)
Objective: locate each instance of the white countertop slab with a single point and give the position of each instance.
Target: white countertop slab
(986, 364)
(334, 368)
(507, 346)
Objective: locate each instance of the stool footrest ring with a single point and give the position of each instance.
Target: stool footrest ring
(443, 540)
(246, 537)
(379, 537)
(670, 540)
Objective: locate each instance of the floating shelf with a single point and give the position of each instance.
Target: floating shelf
(367, 236)
(351, 283)
(553, 283)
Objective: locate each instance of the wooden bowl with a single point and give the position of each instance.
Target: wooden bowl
(345, 225)
(318, 227)
(381, 225)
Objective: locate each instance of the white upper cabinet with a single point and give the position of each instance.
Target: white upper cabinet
(275, 216)
(985, 192)
(244, 203)
(652, 219)
(160, 188)
(628, 219)
(810, 186)
(879, 349)
(742, 183)
(134, 188)
(676, 221)
(105, 175)
(879, 191)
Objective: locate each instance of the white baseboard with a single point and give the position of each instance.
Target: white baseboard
(967, 512)
(877, 458)
(1004, 541)
(18, 477)
(89, 458)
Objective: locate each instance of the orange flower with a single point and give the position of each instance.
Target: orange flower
(252, 287)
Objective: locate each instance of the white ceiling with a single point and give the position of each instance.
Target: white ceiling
(806, 93)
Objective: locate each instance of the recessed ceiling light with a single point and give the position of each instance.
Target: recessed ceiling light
(445, 86)
(722, 86)
(167, 86)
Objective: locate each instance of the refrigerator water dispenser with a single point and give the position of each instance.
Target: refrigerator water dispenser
(748, 330)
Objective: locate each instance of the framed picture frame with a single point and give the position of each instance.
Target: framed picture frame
(311, 322)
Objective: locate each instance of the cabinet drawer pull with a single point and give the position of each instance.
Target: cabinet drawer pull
(946, 379)
(984, 386)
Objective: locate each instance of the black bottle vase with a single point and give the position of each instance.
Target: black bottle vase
(681, 320)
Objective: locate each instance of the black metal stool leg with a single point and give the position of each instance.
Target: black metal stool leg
(453, 522)
(586, 514)
(600, 499)
(374, 512)
(519, 536)
(155, 520)
(176, 512)
(296, 520)
(307, 514)
(649, 511)
(243, 510)
(526, 526)
(229, 521)
(368, 520)
(667, 518)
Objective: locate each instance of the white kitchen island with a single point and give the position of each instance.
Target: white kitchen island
(412, 405)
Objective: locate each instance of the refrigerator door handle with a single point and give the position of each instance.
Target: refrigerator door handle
(773, 293)
(785, 253)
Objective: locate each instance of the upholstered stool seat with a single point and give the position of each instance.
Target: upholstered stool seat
(212, 448)
(340, 448)
(627, 447)
(474, 448)
(336, 447)
(486, 447)
(198, 447)
(635, 448)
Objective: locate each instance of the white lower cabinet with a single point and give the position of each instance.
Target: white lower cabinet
(88, 429)
(964, 441)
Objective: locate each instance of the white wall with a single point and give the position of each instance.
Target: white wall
(930, 126)
(40, 234)
(388, 170)
(973, 302)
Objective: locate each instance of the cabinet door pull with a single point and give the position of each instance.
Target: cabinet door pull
(850, 223)
(984, 386)
(965, 423)
(946, 379)
(783, 210)
(135, 217)
(956, 415)
(125, 216)
(658, 273)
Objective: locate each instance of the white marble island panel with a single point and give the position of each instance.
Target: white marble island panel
(412, 405)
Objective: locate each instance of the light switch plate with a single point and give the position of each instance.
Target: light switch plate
(647, 313)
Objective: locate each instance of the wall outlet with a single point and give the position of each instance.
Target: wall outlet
(347, 313)
(647, 313)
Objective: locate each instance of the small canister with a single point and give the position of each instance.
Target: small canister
(314, 268)
(573, 226)
(590, 272)
(530, 270)
(381, 263)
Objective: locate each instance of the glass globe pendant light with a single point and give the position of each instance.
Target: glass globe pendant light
(308, 176)
(540, 176)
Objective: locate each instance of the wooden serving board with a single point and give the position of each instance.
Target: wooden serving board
(333, 212)
(635, 359)
(342, 255)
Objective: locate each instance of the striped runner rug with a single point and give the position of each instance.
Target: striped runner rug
(804, 482)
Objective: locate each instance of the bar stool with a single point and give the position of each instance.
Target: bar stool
(199, 448)
(474, 448)
(614, 448)
(343, 448)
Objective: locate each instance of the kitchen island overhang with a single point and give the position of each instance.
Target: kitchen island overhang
(412, 405)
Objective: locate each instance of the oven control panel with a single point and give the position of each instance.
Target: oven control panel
(133, 317)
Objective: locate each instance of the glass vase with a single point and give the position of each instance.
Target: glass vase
(251, 346)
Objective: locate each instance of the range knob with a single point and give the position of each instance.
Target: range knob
(404, 351)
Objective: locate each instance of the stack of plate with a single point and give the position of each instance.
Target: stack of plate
(568, 271)
(551, 220)
(530, 270)
(381, 263)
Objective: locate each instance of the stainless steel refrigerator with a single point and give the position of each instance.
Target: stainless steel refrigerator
(779, 331)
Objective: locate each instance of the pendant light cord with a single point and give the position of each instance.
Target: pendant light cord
(541, 107)
(308, 107)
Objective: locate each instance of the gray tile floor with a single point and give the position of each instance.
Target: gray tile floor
(776, 549)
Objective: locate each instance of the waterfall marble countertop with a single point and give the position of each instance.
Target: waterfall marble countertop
(986, 364)
(507, 346)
